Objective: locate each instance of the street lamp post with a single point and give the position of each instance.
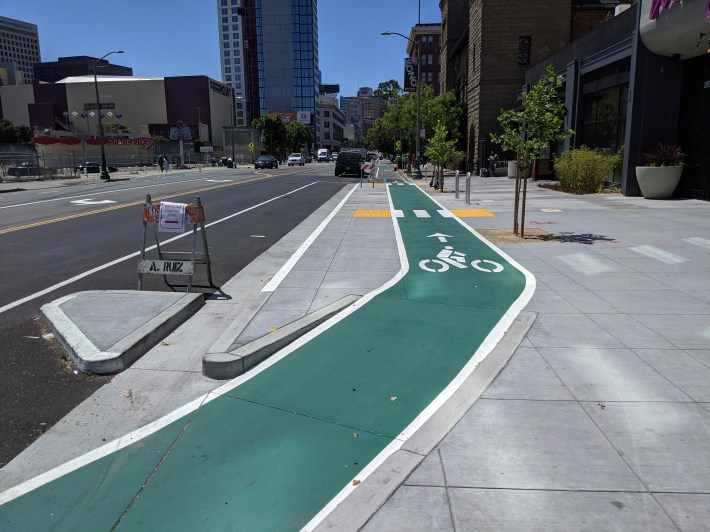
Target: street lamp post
(104, 169)
(417, 160)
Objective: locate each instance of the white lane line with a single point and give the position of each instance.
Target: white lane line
(446, 213)
(658, 254)
(421, 214)
(397, 213)
(277, 279)
(136, 254)
(702, 242)
(65, 198)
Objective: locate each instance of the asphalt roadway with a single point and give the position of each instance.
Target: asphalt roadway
(599, 418)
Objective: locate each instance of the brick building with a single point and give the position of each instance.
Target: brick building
(484, 61)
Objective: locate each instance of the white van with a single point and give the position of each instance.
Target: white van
(323, 155)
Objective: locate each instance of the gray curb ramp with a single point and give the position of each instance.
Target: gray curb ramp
(231, 364)
(121, 325)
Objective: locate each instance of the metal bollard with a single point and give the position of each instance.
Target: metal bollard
(456, 185)
(468, 188)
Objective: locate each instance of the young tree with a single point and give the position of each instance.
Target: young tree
(273, 131)
(442, 153)
(536, 126)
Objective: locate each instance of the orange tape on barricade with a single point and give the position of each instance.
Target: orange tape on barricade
(193, 214)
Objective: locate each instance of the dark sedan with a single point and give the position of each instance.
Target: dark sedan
(266, 161)
(93, 168)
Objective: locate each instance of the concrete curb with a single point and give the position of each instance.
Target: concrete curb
(358, 507)
(91, 359)
(228, 365)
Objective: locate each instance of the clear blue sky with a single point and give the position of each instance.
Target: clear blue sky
(179, 37)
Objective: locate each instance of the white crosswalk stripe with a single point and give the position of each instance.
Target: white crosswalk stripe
(659, 254)
(421, 214)
(702, 242)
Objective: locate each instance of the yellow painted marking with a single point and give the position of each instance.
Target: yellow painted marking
(130, 204)
(372, 213)
(472, 213)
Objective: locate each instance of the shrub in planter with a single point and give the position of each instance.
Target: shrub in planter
(659, 177)
(582, 170)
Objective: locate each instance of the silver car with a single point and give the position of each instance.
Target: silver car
(296, 158)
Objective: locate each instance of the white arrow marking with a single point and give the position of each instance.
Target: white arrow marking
(89, 201)
(442, 237)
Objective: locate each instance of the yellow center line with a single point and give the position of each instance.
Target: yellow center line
(133, 204)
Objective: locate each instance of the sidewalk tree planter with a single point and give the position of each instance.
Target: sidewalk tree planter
(540, 123)
(659, 178)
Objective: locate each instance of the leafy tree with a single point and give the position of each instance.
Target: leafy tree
(298, 136)
(115, 127)
(11, 134)
(537, 125)
(24, 134)
(400, 119)
(389, 91)
(273, 131)
(442, 152)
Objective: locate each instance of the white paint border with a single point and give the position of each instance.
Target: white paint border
(488, 344)
(277, 279)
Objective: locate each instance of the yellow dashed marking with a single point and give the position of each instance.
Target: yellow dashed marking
(472, 213)
(372, 213)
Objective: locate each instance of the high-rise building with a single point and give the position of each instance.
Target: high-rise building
(269, 55)
(428, 36)
(231, 22)
(19, 50)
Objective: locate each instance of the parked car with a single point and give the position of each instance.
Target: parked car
(296, 159)
(24, 169)
(348, 162)
(266, 161)
(309, 157)
(93, 168)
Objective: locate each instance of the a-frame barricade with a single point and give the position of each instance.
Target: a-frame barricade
(175, 262)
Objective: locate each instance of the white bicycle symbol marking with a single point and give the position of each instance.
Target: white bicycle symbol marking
(447, 257)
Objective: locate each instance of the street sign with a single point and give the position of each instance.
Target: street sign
(251, 146)
(206, 149)
(398, 145)
(166, 267)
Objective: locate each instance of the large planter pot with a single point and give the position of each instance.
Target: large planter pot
(658, 182)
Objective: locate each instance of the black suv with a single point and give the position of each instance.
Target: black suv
(348, 162)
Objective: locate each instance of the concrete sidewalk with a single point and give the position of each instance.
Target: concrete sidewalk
(600, 420)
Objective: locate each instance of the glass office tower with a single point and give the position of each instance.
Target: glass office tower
(287, 44)
(284, 36)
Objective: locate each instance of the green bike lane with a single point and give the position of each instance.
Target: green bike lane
(270, 450)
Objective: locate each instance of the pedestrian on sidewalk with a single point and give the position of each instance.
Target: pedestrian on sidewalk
(492, 163)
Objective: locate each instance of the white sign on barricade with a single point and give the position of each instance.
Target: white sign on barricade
(172, 217)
